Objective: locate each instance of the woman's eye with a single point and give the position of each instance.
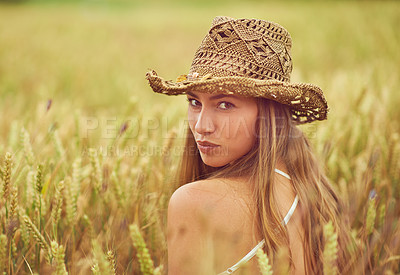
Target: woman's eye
(225, 105)
(193, 102)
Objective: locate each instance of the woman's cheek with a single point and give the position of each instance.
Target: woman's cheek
(192, 121)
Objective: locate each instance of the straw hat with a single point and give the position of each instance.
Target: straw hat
(248, 57)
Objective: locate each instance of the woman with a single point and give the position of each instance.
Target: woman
(248, 177)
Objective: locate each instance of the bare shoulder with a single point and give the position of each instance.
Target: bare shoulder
(189, 228)
(190, 191)
(202, 215)
(206, 198)
(192, 200)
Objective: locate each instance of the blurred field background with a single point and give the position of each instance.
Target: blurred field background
(88, 153)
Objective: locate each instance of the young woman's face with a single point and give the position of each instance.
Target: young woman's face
(224, 126)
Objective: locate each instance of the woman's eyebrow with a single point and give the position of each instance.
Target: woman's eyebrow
(219, 96)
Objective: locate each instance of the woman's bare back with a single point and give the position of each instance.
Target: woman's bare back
(212, 225)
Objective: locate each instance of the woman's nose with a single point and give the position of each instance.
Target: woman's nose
(205, 124)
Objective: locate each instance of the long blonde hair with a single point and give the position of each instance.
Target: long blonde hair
(279, 139)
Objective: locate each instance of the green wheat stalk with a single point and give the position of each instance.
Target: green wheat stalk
(3, 253)
(30, 196)
(142, 253)
(382, 214)
(395, 161)
(95, 269)
(100, 259)
(96, 170)
(25, 235)
(56, 210)
(76, 177)
(20, 177)
(13, 248)
(57, 143)
(70, 200)
(159, 270)
(35, 233)
(58, 254)
(13, 137)
(38, 197)
(73, 189)
(88, 225)
(371, 215)
(263, 263)
(26, 144)
(77, 116)
(119, 194)
(330, 249)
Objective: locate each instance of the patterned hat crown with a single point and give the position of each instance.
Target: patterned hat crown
(246, 48)
(247, 57)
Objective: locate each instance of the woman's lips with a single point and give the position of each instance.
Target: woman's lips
(206, 147)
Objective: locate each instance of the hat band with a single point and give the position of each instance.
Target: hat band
(221, 65)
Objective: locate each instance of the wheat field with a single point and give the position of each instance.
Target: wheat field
(88, 153)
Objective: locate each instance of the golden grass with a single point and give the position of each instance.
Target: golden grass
(88, 153)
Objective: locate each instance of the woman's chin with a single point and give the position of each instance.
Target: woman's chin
(214, 161)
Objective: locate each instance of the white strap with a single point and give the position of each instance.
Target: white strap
(253, 252)
(294, 204)
(291, 210)
(282, 173)
(245, 259)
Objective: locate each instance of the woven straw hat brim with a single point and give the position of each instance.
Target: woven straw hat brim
(306, 101)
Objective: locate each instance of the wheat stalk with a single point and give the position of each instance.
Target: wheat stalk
(58, 254)
(35, 233)
(58, 201)
(96, 171)
(57, 143)
(119, 194)
(39, 202)
(169, 141)
(159, 270)
(95, 268)
(76, 178)
(142, 253)
(39, 179)
(112, 261)
(24, 231)
(13, 248)
(263, 263)
(70, 207)
(371, 215)
(3, 253)
(12, 223)
(100, 259)
(89, 225)
(30, 195)
(13, 137)
(330, 249)
(7, 176)
(26, 143)
(14, 202)
(395, 155)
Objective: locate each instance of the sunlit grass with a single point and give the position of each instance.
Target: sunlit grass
(89, 140)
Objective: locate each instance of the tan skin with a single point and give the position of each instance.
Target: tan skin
(211, 223)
